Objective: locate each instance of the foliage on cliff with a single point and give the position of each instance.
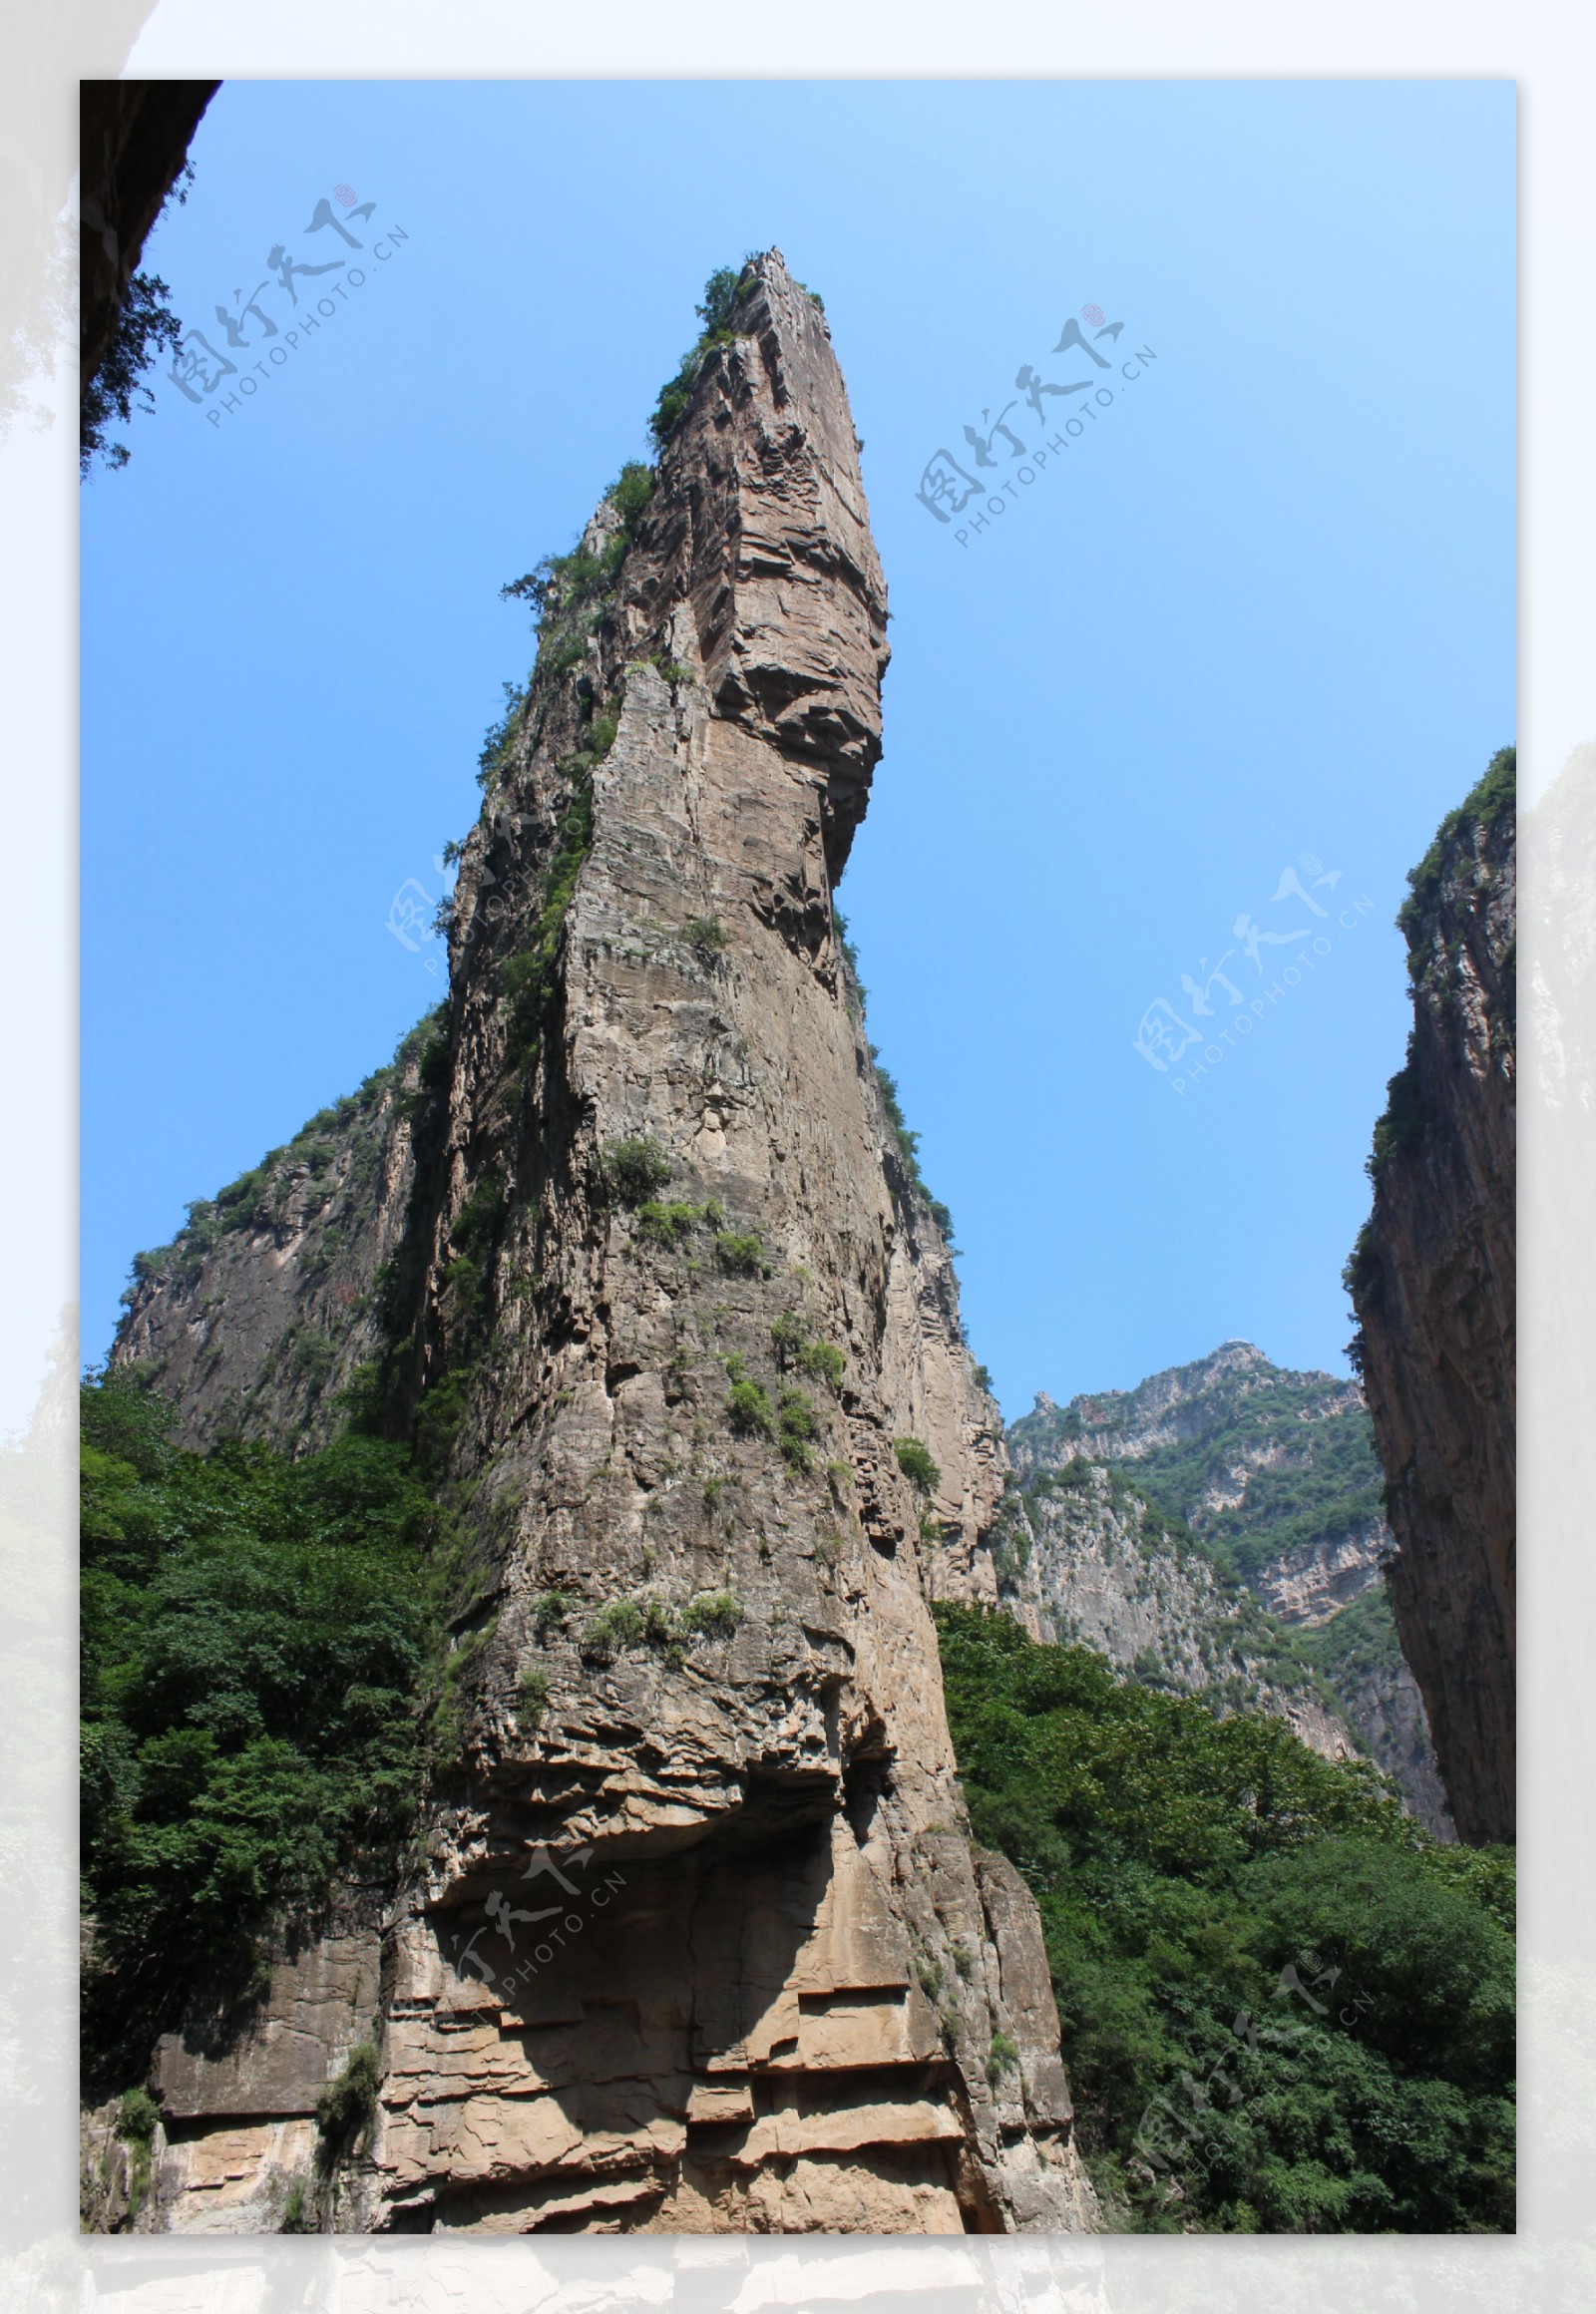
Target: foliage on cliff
(336, 1155)
(1494, 793)
(1407, 1112)
(1303, 1465)
(722, 292)
(254, 1634)
(1285, 2008)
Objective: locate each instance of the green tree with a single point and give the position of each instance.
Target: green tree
(1285, 2007)
(255, 1636)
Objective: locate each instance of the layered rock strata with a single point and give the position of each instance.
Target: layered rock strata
(698, 1940)
(1432, 1281)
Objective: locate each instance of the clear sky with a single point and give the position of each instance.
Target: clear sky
(1257, 616)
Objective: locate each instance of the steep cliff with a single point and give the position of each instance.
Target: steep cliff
(695, 1938)
(255, 1319)
(1218, 1530)
(133, 146)
(1432, 1283)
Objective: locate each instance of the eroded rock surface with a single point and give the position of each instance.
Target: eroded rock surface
(699, 1941)
(1433, 1280)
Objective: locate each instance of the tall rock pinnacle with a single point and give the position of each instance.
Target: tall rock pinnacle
(1432, 1283)
(697, 1940)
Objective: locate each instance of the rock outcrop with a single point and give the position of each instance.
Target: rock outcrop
(697, 1939)
(258, 1317)
(133, 142)
(1217, 1530)
(1432, 1283)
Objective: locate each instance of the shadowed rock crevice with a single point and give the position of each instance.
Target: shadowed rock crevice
(1432, 1281)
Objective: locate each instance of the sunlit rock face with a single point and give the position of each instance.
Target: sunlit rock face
(697, 1939)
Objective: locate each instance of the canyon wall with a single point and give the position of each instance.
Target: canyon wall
(1432, 1283)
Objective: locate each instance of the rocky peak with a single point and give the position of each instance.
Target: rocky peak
(668, 1314)
(1432, 1281)
(1220, 1529)
(760, 534)
(1234, 1390)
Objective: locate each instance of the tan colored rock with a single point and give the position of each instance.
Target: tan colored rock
(701, 1894)
(235, 2178)
(843, 2130)
(321, 2001)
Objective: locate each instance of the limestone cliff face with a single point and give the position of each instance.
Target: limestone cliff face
(697, 1940)
(1432, 1283)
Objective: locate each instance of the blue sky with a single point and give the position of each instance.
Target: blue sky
(1258, 615)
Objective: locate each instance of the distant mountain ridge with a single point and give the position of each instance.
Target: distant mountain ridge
(1220, 1528)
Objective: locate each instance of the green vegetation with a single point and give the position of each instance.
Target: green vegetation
(1285, 2007)
(348, 2106)
(256, 1635)
(908, 1142)
(706, 938)
(1496, 793)
(1311, 1475)
(651, 1621)
(715, 1614)
(495, 742)
(531, 1695)
(793, 1422)
(794, 1345)
(1357, 1644)
(1407, 1116)
(137, 2116)
(750, 1409)
(1405, 1119)
(552, 1611)
(529, 976)
(824, 1361)
(633, 1170)
(744, 1255)
(1002, 2058)
(721, 293)
(568, 592)
(340, 1149)
(798, 1425)
(1364, 1278)
(673, 1224)
(915, 1461)
(666, 1225)
(145, 324)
